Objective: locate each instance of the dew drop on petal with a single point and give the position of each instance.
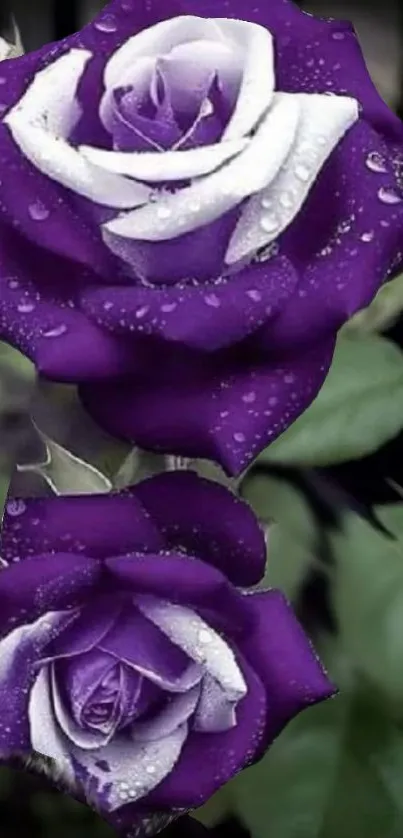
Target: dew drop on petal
(375, 162)
(239, 437)
(266, 203)
(168, 307)
(163, 212)
(254, 295)
(141, 312)
(212, 300)
(204, 636)
(388, 195)
(269, 223)
(367, 237)
(57, 332)
(286, 200)
(15, 507)
(26, 308)
(108, 305)
(38, 211)
(249, 398)
(106, 24)
(302, 172)
(338, 36)
(13, 284)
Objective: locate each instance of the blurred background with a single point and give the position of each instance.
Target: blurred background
(331, 491)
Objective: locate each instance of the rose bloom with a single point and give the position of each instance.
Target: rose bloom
(191, 207)
(130, 655)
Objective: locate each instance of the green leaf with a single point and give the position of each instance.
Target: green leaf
(321, 778)
(383, 311)
(359, 408)
(368, 599)
(66, 474)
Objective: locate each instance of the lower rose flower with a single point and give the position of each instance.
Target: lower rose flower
(130, 655)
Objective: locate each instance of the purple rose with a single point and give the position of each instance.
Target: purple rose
(191, 207)
(129, 654)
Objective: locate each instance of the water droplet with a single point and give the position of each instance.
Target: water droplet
(269, 223)
(15, 507)
(286, 200)
(375, 162)
(204, 636)
(212, 300)
(141, 312)
(289, 378)
(57, 332)
(338, 36)
(367, 237)
(239, 437)
(13, 284)
(302, 172)
(108, 305)
(388, 195)
(25, 308)
(249, 398)
(150, 769)
(38, 211)
(168, 307)
(273, 401)
(254, 295)
(194, 206)
(266, 203)
(107, 23)
(163, 212)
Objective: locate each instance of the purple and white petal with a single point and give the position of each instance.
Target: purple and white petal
(177, 711)
(215, 712)
(46, 736)
(212, 196)
(322, 123)
(186, 629)
(40, 124)
(135, 768)
(86, 739)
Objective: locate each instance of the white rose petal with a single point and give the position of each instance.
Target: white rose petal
(209, 198)
(43, 119)
(200, 642)
(257, 86)
(154, 166)
(324, 121)
(157, 41)
(46, 736)
(136, 768)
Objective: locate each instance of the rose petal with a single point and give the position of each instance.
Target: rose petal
(45, 583)
(86, 739)
(215, 712)
(19, 654)
(137, 642)
(157, 41)
(177, 711)
(323, 122)
(207, 521)
(227, 414)
(154, 166)
(203, 317)
(46, 736)
(135, 768)
(85, 630)
(187, 581)
(284, 659)
(258, 80)
(210, 197)
(199, 641)
(40, 123)
(192, 781)
(100, 525)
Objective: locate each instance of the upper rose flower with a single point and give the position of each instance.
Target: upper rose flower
(191, 206)
(128, 655)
